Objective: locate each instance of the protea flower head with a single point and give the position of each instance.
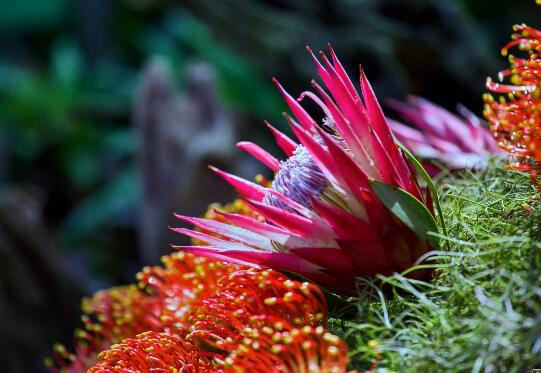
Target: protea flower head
(455, 141)
(324, 217)
(515, 117)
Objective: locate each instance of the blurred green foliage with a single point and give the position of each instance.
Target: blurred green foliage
(64, 137)
(65, 120)
(24, 15)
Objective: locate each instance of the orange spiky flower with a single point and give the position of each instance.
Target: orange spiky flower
(258, 321)
(162, 303)
(180, 282)
(278, 346)
(217, 320)
(515, 116)
(198, 315)
(153, 352)
(109, 317)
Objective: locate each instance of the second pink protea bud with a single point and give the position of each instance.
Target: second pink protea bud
(453, 141)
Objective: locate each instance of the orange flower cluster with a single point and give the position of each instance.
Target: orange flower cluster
(183, 280)
(152, 352)
(200, 315)
(515, 116)
(161, 303)
(258, 321)
(248, 299)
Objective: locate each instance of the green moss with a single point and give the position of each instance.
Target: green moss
(482, 310)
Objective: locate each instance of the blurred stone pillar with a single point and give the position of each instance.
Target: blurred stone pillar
(179, 135)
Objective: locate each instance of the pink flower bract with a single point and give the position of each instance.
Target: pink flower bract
(322, 219)
(457, 142)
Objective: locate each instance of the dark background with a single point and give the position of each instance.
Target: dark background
(110, 110)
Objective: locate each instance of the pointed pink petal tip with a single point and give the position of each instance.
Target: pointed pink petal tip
(284, 142)
(331, 51)
(244, 187)
(313, 56)
(260, 154)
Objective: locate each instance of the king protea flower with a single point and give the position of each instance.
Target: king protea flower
(515, 118)
(322, 216)
(455, 141)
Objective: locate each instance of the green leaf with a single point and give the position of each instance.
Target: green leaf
(429, 183)
(408, 209)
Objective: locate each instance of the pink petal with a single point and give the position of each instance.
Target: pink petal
(445, 146)
(294, 223)
(259, 153)
(368, 258)
(246, 188)
(414, 115)
(320, 69)
(211, 240)
(279, 261)
(455, 129)
(302, 116)
(330, 259)
(285, 143)
(343, 75)
(317, 100)
(347, 133)
(272, 232)
(354, 111)
(405, 133)
(353, 178)
(230, 231)
(388, 172)
(383, 133)
(414, 140)
(214, 253)
(341, 222)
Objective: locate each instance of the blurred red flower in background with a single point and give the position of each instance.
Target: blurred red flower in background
(515, 116)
